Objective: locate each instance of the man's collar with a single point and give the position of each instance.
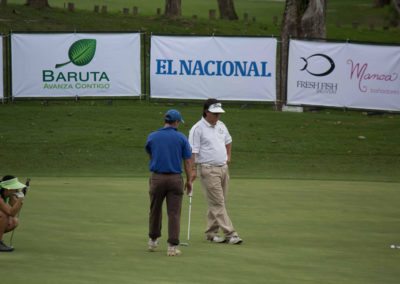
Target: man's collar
(168, 128)
(207, 123)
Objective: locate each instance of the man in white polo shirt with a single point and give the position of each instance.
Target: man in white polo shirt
(211, 147)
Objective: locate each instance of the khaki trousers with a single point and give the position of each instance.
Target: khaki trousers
(214, 181)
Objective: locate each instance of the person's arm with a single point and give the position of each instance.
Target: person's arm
(228, 152)
(14, 209)
(193, 167)
(194, 140)
(189, 179)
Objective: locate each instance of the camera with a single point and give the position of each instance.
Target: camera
(19, 193)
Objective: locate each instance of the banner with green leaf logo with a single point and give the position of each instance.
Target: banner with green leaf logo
(69, 65)
(81, 52)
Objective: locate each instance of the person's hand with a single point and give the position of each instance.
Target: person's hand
(193, 176)
(188, 188)
(14, 199)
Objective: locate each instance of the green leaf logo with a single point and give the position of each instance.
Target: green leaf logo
(81, 52)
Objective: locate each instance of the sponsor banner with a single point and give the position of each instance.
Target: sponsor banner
(227, 68)
(373, 77)
(313, 73)
(344, 75)
(1, 69)
(65, 65)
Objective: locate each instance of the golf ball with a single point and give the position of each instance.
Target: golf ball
(392, 246)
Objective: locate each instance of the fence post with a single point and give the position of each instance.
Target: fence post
(125, 11)
(245, 17)
(158, 11)
(355, 25)
(96, 8)
(104, 9)
(135, 11)
(212, 14)
(275, 20)
(71, 7)
(371, 26)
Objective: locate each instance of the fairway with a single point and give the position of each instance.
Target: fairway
(94, 230)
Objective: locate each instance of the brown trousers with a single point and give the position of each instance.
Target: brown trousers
(169, 187)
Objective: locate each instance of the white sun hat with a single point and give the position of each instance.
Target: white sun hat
(216, 108)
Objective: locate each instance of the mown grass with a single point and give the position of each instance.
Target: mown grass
(94, 230)
(106, 137)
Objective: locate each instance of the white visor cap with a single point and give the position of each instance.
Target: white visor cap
(216, 108)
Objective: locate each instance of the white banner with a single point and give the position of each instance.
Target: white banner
(1, 69)
(227, 68)
(65, 65)
(314, 75)
(373, 77)
(344, 75)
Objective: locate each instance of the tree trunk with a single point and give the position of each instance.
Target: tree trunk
(3, 2)
(227, 10)
(301, 18)
(313, 20)
(380, 3)
(290, 28)
(173, 8)
(396, 4)
(37, 3)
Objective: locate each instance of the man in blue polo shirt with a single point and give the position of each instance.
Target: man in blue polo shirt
(167, 148)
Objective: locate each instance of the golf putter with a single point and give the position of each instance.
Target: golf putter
(190, 214)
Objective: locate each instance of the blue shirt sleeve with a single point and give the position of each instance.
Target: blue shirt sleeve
(187, 150)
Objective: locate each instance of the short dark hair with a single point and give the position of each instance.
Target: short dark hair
(207, 104)
(7, 177)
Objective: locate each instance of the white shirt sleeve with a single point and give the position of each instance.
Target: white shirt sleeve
(228, 137)
(194, 138)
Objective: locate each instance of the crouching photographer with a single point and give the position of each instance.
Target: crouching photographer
(12, 194)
